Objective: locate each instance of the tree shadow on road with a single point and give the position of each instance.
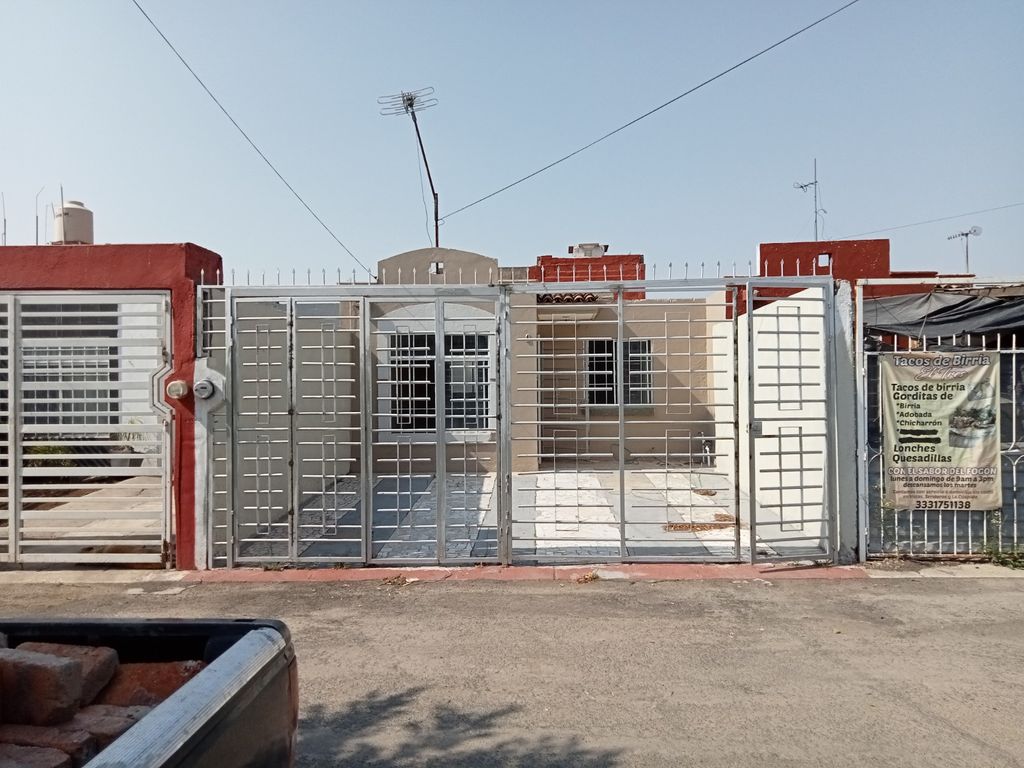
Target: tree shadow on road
(383, 731)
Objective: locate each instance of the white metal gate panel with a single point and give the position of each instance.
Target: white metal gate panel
(790, 417)
(85, 439)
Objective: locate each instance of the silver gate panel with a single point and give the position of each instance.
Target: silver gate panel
(262, 430)
(789, 416)
(433, 490)
(86, 443)
(622, 410)
(327, 430)
(356, 428)
(679, 425)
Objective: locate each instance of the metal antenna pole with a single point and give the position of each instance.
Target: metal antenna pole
(409, 103)
(3, 205)
(966, 236)
(818, 210)
(815, 199)
(37, 212)
(430, 178)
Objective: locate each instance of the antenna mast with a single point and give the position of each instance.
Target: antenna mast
(3, 205)
(818, 210)
(966, 235)
(37, 212)
(409, 103)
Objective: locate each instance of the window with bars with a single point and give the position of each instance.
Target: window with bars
(637, 386)
(466, 386)
(413, 380)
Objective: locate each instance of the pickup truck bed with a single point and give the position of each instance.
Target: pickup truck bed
(240, 711)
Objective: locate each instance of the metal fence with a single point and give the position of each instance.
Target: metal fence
(84, 471)
(938, 532)
(626, 421)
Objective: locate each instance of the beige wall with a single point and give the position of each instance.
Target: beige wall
(460, 268)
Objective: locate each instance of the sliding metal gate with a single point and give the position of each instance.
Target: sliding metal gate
(671, 420)
(84, 438)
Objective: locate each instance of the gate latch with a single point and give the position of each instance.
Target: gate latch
(757, 427)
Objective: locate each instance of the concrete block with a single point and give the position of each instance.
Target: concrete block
(39, 689)
(98, 664)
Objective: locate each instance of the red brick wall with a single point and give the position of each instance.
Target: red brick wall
(562, 269)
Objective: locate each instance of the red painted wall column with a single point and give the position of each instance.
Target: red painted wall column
(177, 268)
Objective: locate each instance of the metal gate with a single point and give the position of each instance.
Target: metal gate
(360, 426)
(84, 445)
(636, 421)
(671, 420)
(947, 530)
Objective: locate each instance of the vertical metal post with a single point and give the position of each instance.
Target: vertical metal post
(862, 408)
(292, 476)
(504, 441)
(830, 492)
(752, 427)
(14, 421)
(168, 453)
(620, 398)
(230, 405)
(366, 369)
(736, 439)
(440, 417)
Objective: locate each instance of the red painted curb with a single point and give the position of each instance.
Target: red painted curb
(637, 572)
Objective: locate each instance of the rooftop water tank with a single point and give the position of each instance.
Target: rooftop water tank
(72, 224)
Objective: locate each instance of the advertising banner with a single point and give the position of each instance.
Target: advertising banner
(941, 430)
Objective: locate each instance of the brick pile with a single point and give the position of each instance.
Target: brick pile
(61, 704)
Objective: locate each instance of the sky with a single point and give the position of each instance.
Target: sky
(914, 110)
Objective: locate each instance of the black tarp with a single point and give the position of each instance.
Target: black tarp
(944, 314)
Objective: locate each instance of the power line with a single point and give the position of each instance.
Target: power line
(933, 221)
(252, 143)
(658, 108)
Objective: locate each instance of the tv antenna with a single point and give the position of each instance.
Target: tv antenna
(966, 235)
(37, 212)
(818, 210)
(409, 103)
(3, 212)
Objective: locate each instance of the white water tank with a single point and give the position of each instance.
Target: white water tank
(72, 224)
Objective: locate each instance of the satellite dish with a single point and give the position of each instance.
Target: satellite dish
(975, 231)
